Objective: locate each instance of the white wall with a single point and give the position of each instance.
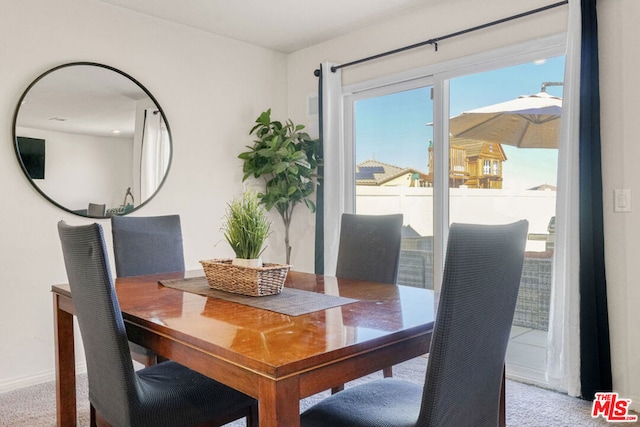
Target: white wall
(619, 59)
(619, 45)
(211, 90)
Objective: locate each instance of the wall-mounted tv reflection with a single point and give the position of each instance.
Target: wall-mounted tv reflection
(32, 153)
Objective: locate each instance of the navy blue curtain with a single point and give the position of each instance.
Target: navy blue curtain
(595, 365)
(319, 247)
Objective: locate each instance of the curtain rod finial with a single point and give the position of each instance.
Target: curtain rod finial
(316, 72)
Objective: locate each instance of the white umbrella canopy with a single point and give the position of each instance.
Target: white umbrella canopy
(529, 121)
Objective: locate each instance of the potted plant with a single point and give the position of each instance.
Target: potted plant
(287, 159)
(246, 228)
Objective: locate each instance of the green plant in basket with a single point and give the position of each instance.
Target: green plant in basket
(246, 227)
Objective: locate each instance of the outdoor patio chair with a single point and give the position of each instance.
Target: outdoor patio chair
(466, 360)
(165, 394)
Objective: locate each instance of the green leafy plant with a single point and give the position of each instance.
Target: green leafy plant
(287, 159)
(246, 226)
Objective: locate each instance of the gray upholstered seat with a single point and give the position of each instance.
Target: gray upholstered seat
(146, 245)
(166, 394)
(369, 247)
(464, 374)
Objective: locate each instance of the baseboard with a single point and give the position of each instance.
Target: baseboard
(635, 403)
(527, 375)
(533, 377)
(12, 384)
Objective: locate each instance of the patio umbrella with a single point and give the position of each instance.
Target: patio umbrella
(529, 121)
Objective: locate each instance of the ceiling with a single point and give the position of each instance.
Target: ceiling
(82, 99)
(282, 25)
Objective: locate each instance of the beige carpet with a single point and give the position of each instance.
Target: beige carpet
(527, 406)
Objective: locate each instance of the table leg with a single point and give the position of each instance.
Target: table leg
(65, 365)
(279, 402)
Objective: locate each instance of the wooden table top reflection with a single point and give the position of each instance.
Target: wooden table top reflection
(276, 358)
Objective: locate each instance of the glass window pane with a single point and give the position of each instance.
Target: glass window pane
(506, 124)
(394, 173)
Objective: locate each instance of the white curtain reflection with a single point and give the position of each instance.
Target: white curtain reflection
(155, 153)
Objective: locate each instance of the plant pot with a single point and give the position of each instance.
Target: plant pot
(242, 262)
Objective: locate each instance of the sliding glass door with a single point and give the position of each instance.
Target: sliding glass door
(436, 171)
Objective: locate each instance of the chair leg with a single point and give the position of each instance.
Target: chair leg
(337, 389)
(252, 416)
(96, 419)
(387, 372)
(146, 360)
(92, 416)
(502, 417)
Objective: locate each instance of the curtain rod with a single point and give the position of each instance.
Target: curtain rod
(435, 41)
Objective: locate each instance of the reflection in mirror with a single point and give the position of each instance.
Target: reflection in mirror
(89, 135)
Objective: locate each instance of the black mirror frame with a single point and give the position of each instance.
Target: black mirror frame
(23, 167)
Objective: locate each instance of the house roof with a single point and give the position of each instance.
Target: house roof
(474, 147)
(408, 232)
(373, 172)
(543, 187)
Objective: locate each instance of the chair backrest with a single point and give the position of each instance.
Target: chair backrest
(482, 272)
(147, 245)
(112, 382)
(369, 247)
(97, 210)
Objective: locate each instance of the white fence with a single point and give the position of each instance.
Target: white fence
(468, 205)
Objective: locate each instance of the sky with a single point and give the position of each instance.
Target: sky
(393, 128)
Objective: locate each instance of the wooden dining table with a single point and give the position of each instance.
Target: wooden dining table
(276, 358)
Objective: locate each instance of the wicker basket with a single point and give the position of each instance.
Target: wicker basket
(266, 280)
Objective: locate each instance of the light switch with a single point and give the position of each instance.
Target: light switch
(622, 200)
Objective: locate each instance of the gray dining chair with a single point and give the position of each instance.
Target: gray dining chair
(482, 272)
(97, 210)
(369, 247)
(147, 245)
(166, 394)
(369, 250)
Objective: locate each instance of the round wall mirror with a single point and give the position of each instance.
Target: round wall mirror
(92, 140)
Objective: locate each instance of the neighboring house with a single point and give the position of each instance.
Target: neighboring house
(543, 187)
(375, 173)
(472, 163)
